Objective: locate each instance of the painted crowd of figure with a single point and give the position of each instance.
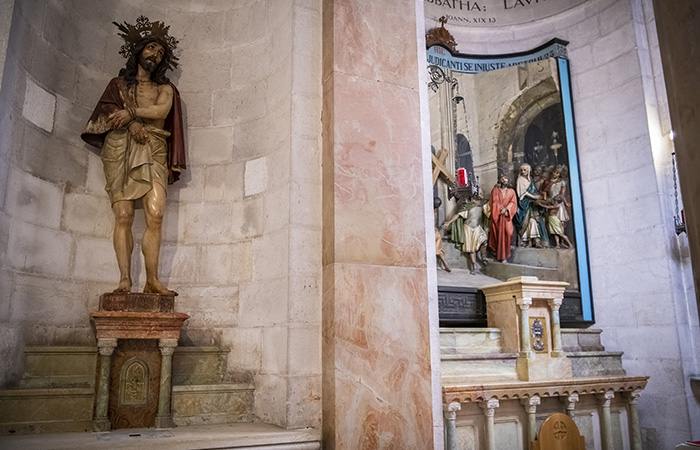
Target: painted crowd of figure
(536, 212)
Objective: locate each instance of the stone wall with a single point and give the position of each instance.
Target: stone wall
(639, 269)
(242, 227)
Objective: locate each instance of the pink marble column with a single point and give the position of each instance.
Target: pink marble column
(376, 347)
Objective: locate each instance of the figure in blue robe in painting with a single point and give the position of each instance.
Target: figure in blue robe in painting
(528, 220)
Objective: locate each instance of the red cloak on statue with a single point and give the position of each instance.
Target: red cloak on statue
(500, 225)
(113, 100)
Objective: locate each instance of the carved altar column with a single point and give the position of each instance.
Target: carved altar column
(605, 420)
(524, 305)
(570, 401)
(635, 432)
(167, 348)
(106, 347)
(451, 425)
(554, 305)
(489, 408)
(531, 405)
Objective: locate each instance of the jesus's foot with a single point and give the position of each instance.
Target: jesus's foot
(156, 287)
(124, 286)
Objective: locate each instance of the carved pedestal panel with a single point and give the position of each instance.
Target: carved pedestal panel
(134, 384)
(136, 335)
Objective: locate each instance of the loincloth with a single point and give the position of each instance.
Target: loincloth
(131, 168)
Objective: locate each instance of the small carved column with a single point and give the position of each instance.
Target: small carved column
(554, 305)
(106, 347)
(531, 405)
(635, 432)
(524, 304)
(570, 401)
(489, 408)
(605, 420)
(451, 426)
(167, 348)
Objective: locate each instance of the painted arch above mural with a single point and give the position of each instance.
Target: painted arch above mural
(494, 13)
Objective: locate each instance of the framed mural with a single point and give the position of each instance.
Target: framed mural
(506, 178)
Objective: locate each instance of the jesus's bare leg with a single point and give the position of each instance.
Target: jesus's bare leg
(123, 241)
(153, 207)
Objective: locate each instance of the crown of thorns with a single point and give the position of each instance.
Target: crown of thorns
(144, 28)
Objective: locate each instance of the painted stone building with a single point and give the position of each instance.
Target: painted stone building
(300, 237)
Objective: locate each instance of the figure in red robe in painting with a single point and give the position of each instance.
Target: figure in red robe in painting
(504, 204)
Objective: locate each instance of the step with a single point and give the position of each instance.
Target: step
(199, 365)
(200, 437)
(581, 340)
(505, 271)
(212, 404)
(470, 341)
(47, 410)
(596, 363)
(459, 368)
(536, 257)
(59, 366)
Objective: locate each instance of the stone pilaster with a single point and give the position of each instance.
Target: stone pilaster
(635, 432)
(167, 348)
(524, 304)
(531, 405)
(554, 305)
(605, 420)
(100, 421)
(489, 408)
(451, 425)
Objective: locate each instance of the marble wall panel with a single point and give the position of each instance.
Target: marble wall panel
(357, 28)
(380, 371)
(378, 181)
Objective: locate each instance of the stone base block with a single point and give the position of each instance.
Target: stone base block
(533, 369)
(46, 410)
(595, 364)
(52, 367)
(472, 341)
(199, 365)
(216, 403)
(475, 368)
(138, 302)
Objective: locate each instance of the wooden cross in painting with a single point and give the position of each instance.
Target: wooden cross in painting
(439, 166)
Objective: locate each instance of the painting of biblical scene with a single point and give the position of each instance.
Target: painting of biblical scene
(502, 178)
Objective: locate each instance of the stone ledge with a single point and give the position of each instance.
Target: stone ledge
(547, 388)
(477, 357)
(230, 387)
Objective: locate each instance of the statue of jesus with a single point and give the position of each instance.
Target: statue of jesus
(137, 125)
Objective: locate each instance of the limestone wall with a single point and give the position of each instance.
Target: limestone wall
(242, 228)
(640, 270)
